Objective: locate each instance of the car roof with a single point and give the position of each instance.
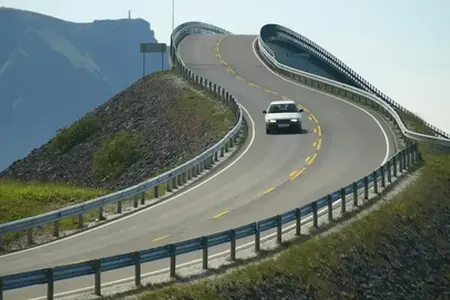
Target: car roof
(282, 102)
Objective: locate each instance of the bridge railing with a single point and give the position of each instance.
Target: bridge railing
(169, 180)
(329, 207)
(366, 94)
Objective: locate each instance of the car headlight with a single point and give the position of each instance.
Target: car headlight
(294, 120)
(272, 121)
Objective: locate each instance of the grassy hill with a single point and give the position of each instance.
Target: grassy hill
(52, 72)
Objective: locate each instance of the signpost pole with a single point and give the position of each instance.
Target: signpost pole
(152, 48)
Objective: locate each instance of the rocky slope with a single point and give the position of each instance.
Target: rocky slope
(52, 72)
(175, 124)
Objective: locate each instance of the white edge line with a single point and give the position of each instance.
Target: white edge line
(386, 139)
(192, 262)
(151, 207)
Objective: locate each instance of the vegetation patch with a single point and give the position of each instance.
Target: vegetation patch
(401, 251)
(68, 137)
(116, 154)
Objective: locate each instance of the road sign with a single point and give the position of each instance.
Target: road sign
(153, 47)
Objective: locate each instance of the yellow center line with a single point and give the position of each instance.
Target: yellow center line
(267, 91)
(310, 118)
(230, 70)
(315, 129)
(314, 144)
(319, 130)
(161, 237)
(298, 173)
(308, 158)
(312, 158)
(269, 190)
(219, 55)
(221, 214)
(319, 145)
(254, 85)
(292, 173)
(240, 78)
(314, 118)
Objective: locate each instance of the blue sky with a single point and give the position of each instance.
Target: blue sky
(402, 46)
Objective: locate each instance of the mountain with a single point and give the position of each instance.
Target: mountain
(52, 72)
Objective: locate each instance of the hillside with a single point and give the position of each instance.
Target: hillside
(154, 124)
(52, 72)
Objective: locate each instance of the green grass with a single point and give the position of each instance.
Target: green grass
(310, 263)
(78, 132)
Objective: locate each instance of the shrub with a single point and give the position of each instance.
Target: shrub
(116, 154)
(67, 138)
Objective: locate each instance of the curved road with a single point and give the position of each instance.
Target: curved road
(338, 138)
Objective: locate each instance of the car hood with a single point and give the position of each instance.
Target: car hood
(284, 116)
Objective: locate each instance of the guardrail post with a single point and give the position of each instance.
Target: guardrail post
(233, 244)
(174, 183)
(168, 188)
(55, 228)
(119, 207)
(2, 242)
(314, 211)
(330, 207)
(375, 182)
(137, 268)
(205, 252)
(50, 283)
(257, 237)
(279, 230)
(298, 221)
(97, 278)
(404, 156)
(408, 156)
(216, 156)
(142, 198)
(366, 187)
(401, 159)
(100, 213)
(383, 177)
(1, 288)
(222, 152)
(173, 256)
(355, 193)
(135, 201)
(184, 177)
(394, 162)
(30, 236)
(156, 191)
(226, 147)
(389, 176)
(343, 201)
(80, 221)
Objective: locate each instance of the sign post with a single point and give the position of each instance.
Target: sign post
(152, 48)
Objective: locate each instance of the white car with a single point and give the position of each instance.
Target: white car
(283, 114)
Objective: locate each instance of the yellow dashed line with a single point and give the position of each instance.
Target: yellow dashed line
(312, 158)
(310, 118)
(319, 130)
(292, 173)
(314, 118)
(308, 158)
(161, 237)
(254, 85)
(319, 145)
(275, 93)
(269, 190)
(267, 91)
(223, 62)
(314, 144)
(298, 173)
(240, 78)
(219, 55)
(221, 214)
(315, 130)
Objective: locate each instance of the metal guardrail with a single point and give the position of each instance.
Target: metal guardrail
(325, 206)
(374, 182)
(172, 178)
(367, 94)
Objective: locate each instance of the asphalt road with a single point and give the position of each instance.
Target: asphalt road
(341, 143)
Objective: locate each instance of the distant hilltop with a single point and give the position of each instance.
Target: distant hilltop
(53, 71)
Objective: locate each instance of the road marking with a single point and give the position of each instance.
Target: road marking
(309, 117)
(268, 91)
(269, 190)
(254, 85)
(298, 173)
(221, 214)
(314, 118)
(219, 55)
(223, 62)
(315, 143)
(292, 173)
(319, 130)
(386, 139)
(308, 158)
(79, 262)
(312, 158)
(315, 129)
(240, 78)
(319, 145)
(161, 238)
(230, 70)
(195, 186)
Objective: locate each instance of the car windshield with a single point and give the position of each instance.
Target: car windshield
(283, 108)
